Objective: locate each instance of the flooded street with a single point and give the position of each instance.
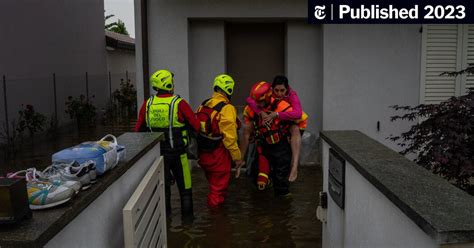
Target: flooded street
(251, 218)
(248, 218)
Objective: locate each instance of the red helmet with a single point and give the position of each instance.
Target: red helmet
(261, 91)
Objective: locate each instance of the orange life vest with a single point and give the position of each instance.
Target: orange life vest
(278, 129)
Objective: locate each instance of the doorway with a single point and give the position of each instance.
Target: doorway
(254, 52)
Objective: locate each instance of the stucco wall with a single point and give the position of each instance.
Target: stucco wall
(304, 67)
(39, 38)
(369, 219)
(138, 52)
(168, 27)
(347, 76)
(206, 58)
(368, 68)
(303, 63)
(119, 62)
(190, 42)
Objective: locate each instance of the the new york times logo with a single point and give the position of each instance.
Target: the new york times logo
(372, 11)
(319, 12)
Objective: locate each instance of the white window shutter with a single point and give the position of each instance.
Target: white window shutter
(468, 51)
(441, 49)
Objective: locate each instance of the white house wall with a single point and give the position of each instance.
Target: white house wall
(368, 68)
(39, 38)
(188, 38)
(365, 68)
(138, 52)
(206, 58)
(304, 67)
(369, 218)
(168, 27)
(120, 62)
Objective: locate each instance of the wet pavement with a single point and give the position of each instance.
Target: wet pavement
(249, 217)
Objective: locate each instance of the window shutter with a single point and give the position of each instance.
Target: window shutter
(441, 49)
(469, 57)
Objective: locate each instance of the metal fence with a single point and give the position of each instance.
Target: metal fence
(48, 94)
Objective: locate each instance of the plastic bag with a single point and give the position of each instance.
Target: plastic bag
(104, 153)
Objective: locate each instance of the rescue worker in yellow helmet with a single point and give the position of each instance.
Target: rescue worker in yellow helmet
(217, 139)
(172, 115)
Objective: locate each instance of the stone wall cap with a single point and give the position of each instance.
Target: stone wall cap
(441, 210)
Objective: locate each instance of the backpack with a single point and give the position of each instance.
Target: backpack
(209, 136)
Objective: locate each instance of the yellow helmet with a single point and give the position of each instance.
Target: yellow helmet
(163, 80)
(225, 83)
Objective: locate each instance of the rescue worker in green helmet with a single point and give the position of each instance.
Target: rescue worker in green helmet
(169, 113)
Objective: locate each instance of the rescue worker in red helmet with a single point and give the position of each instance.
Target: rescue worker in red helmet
(217, 139)
(273, 138)
(172, 115)
(281, 89)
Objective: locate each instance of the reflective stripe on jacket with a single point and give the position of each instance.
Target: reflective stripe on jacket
(162, 115)
(278, 128)
(158, 112)
(249, 115)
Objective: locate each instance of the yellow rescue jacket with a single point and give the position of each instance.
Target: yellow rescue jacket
(227, 119)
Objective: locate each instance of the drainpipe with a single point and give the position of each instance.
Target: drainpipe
(144, 20)
(7, 124)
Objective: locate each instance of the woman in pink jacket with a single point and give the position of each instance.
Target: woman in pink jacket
(281, 89)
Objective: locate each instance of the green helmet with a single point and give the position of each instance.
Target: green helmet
(225, 83)
(163, 80)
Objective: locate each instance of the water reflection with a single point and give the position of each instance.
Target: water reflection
(251, 218)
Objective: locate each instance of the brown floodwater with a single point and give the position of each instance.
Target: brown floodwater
(249, 217)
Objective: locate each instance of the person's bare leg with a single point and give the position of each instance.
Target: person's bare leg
(295, 150)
